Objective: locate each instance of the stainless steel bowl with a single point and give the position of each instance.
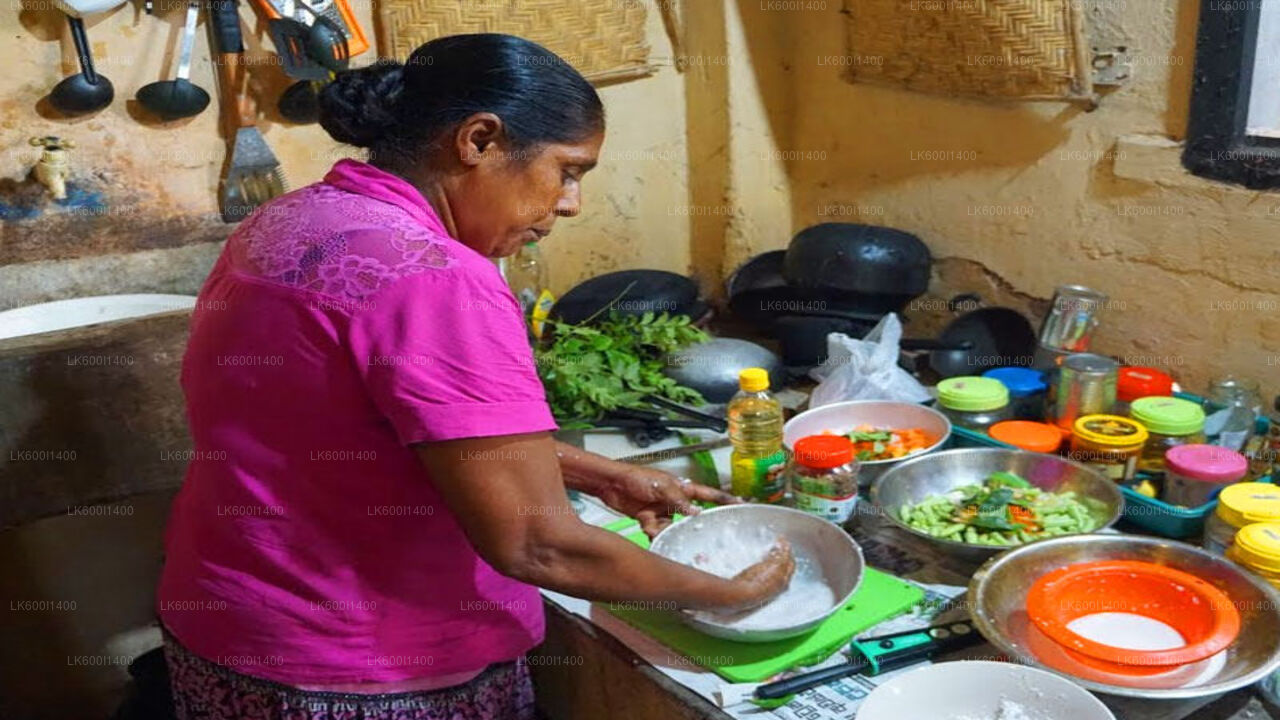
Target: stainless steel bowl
(917, 478)
(998, 595)
(845, 416)
(838, 555)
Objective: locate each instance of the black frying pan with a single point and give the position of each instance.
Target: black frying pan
(630, 292)
(978, 341)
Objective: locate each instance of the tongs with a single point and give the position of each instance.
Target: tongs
(645, 427)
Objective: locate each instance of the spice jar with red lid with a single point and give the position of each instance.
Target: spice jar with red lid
(822, 477)
(1134, 381)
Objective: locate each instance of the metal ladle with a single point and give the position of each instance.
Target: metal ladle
(178, 98)
(86, 91)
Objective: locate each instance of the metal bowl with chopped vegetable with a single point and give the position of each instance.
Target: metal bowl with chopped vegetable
(884, 433)
(972, 503)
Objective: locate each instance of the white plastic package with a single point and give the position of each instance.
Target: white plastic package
(866, 369)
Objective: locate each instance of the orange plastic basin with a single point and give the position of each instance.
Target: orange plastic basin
(1200, 612)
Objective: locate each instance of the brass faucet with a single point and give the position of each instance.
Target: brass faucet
(54, 167)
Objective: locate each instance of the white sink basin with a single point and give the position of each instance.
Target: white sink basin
(76, 312)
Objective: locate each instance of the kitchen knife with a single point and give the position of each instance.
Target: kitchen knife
(881, 654)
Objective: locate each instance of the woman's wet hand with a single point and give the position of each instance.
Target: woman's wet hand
(765, 580)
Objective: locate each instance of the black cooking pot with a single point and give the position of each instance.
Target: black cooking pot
(866, 268)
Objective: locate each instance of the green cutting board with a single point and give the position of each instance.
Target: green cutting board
(879, 597)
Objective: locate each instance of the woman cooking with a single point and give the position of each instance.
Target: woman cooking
(375, 492)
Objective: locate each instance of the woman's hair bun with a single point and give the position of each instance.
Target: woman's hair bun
(360, 106)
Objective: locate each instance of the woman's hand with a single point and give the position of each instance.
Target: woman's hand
(653, 496)
(765, 580)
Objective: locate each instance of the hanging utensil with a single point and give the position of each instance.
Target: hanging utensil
(881, 654)
(253, 174)
(179, 97)
(86, 91)
(291, 39)
(326, 42)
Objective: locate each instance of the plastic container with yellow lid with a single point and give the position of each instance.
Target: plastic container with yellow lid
(1257, 549)
(1240, 505)
(1108, 443)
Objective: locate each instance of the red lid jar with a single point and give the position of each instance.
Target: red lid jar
(1135, 382)
(824, 452)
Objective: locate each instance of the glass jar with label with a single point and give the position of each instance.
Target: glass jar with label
(1257, 549)
(1109, 443)
(974, 402)
(1239, 505)
(1170, 422)
(822, 477)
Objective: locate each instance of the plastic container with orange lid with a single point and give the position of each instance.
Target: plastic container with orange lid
(1034, 436)
(822, 477)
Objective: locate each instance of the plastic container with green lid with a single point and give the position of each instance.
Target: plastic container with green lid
(1171, 422)
(974, 402)
(1257, 549)
(1240, 505)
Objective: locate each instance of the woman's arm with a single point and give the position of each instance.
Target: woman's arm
(507, 494)
(651, 496)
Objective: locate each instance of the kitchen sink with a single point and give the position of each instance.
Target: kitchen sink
(78, 312)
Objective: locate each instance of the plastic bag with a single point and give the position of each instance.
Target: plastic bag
(866, 369)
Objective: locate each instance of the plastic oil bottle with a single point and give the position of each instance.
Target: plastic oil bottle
(526, 274)
(755, 430)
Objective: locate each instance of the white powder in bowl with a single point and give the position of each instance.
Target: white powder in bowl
(726, 548)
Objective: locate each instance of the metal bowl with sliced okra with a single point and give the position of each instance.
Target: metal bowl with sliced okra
(975, 502)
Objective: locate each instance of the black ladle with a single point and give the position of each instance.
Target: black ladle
(86, 91)
(178, 98)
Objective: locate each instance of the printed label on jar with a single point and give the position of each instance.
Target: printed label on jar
(1117, 471)
(758, 479)
(837, 510)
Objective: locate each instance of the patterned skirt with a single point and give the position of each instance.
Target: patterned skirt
(203, 690)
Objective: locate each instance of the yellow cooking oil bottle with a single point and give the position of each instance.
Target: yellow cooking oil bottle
(755, 430)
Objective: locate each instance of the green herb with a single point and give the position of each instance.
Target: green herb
(1001, 478)
(612, 363)
(875, 436)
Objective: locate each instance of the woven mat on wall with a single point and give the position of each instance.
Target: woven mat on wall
(1014, 49)
(604, 39)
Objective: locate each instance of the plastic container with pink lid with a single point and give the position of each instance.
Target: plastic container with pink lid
(1194, 474)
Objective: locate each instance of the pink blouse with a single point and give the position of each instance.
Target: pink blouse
(308, 546)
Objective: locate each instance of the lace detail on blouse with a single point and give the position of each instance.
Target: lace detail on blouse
(327, 240)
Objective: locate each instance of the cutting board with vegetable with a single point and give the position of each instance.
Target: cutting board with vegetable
(880, 596)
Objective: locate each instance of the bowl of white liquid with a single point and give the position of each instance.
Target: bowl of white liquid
(999, 590)
(726, 540)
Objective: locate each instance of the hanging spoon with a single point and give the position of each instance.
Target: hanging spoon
(178, 98)
(86, 91)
